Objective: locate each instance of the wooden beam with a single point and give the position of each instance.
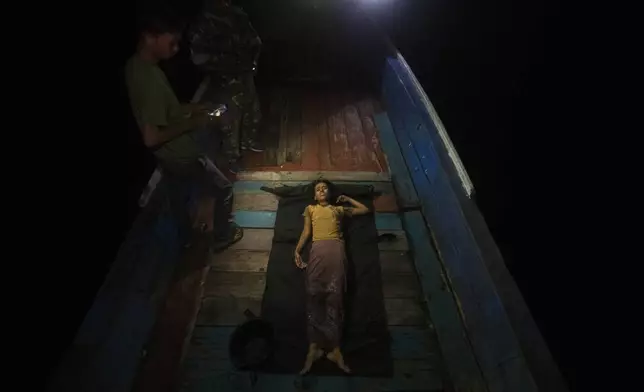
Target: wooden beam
(313, 175)
(398, 243)
(159, 370)
(407, 196)
(459, 359)
(492, 338)
(254, 239)
(539, 358)
(107, 348)
(255, 186)
(405, 311)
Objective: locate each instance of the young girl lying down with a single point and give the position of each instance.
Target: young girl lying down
(325, 274)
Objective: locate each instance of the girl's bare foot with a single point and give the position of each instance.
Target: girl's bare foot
(313, 355)
(336, 357)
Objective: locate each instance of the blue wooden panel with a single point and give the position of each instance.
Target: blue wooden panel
(266, 220)
(537, 354)
(535, 350)
(207, 368)
(385, 221)
(429, 127)
(457, 352)
(107, 349)
(407, 196)
(487, 324)
(255, 219)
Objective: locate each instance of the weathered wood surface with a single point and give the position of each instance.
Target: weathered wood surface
(409, 376)
(235, 284)
(229, 311)
(336, 128)
(401, 286)
(357, 142)
(416, 367)
(107, 348)
(295, 128)
(539, 358)
(255, 186)
(311, 139)
(255, 239)
(239, 260)
(405, 311)
(396, 262)
(498, 352)
(255, 202)
(367, 113)
(272, 126)
(283, 127)
(400, 176)
(459, 359)
(313, 175)
(318, 129)
(172, 330)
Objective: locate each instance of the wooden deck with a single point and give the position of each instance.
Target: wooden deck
(188, 349)
(235, 281)
(318, 128)
(320, 133)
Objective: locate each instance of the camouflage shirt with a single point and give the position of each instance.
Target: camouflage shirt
(223, 40)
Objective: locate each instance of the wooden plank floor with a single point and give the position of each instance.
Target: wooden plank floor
(236, 280)
(318, 129)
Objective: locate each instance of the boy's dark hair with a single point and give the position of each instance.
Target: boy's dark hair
(159, 23)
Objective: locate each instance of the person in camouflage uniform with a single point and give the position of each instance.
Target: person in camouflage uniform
(224, 44)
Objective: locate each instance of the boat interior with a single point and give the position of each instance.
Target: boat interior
(340, 103)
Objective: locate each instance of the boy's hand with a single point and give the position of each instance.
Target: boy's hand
(205, 107)
(343, 199)
(202, 118)
(192, 109)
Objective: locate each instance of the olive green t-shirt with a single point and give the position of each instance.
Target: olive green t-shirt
(153, 102)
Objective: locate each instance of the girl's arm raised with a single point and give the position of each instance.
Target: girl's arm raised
(357, 207)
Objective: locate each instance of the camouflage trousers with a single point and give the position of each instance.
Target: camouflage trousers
(244, 113)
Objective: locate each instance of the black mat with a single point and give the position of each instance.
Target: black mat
(366, 343)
